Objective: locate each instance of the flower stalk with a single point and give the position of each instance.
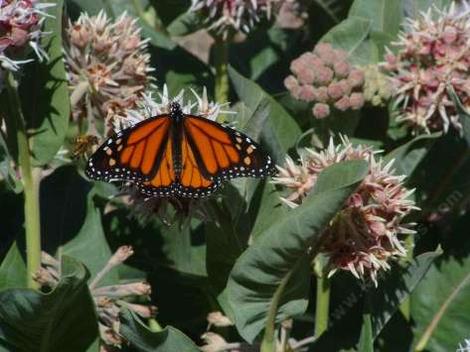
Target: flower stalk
(221, 69)
(322, 304)
(30, 179)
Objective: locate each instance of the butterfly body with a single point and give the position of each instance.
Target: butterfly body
(178, 155)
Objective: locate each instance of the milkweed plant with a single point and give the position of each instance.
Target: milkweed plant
(353, 233)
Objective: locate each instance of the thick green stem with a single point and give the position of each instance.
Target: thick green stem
(322, 305)
(154, 325)
(221, 72)
(405, 306)
(30, 180)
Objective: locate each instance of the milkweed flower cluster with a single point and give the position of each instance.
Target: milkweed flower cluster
(229, 16)
(109, 300)
(148, 107)
(20, 26)
(432, 57)
(364, 235)
(107, 65)
(326, 78)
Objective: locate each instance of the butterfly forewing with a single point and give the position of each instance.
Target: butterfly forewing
(133, 154)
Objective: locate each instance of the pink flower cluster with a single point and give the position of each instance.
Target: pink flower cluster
(20, 25)
(433, 58)
(326, 78)
(364, 235)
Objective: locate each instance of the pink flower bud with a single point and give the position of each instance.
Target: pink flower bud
(218, 319)
(291, 82)
(342, 69)
(343, 104)
(306, 76)
(326, 52)
(335, 90)
(356, 100)
(323, 75)
(307, 93)
(356, 78)
(320, 110)
(297, 65)
(79, 35)
(321, 94)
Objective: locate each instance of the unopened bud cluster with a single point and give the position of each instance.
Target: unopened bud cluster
(377, 86)
(326, 78)
(108, 67)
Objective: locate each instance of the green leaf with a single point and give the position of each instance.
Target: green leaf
(13, 270)
(144, 340)
(44, 92)
(72, 222)
(352, 35)
(408, 156)
(62, 320)
(281, 130)
(366, 341)
(273, 274)
(414, 7)
(440, 304)
(385, 15)
(394, 287)
(333, 8)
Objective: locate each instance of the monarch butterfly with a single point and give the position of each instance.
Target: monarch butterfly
(178, 155)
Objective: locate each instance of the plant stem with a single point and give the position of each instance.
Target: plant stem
(322, 304)
(221, 72)
(30, 180)
(154, 325)
(405, 306)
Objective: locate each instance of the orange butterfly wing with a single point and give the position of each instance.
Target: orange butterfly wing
(135, 154)
(208, 153)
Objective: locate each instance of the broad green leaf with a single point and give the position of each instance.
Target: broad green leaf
(72, 222)
(352, 35)
(385, 15)
(366, 341)
(144, 340)
(440, 306)
(273, 274)
(414, 7)
(44, 93)
(394, 287)
(13, 269)
(408, 156)
(281, 130)
(333, 8)
(62, 320)
(187, 23)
